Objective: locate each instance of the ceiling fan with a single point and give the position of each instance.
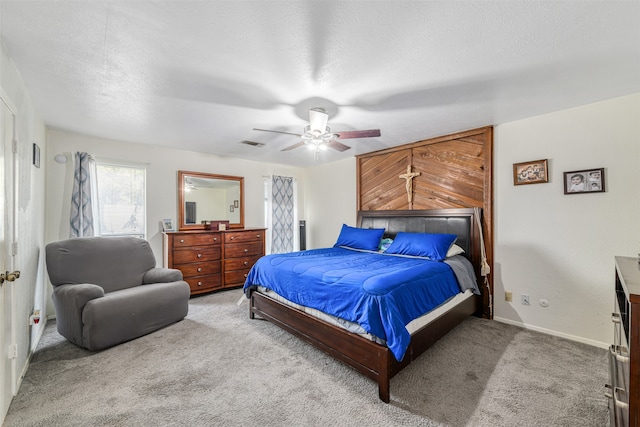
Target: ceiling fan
(318, 136)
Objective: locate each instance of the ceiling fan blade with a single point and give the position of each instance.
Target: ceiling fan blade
(357, 133)
(277, 131)
(337, 145)
(299, 144)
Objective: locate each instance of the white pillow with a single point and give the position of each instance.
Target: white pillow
(454, 250)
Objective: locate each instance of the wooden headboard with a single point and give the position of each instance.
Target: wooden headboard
(460, 222)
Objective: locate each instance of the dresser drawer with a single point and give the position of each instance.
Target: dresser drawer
(199, 268)
(200, 239)
(204, 283)
(235, 278)
(240, 263)
(211, 253)
(245, 236)
(237, 250)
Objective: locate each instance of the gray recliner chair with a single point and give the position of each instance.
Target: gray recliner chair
(107, 290)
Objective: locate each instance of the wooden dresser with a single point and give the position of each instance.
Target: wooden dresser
(211, 259)
(624, 355)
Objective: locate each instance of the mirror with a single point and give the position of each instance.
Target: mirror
(209, 197)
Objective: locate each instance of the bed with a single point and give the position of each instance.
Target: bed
(378, 359)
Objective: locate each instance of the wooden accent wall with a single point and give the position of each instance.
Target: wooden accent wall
(455, 172)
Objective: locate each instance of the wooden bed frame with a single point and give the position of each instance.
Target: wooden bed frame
(371, 359)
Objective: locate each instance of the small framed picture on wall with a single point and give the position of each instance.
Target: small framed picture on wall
(534, 172)
(584, 181)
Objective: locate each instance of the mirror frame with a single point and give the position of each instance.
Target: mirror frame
(181, 175)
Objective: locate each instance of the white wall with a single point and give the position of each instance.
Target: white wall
(330, 201)
(562, 247)
(162, 166)
(28, 292)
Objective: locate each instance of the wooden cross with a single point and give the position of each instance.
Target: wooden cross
(409, 178)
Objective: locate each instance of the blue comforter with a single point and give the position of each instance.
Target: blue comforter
(382, 293)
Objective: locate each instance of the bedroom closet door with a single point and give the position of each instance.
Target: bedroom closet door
(7, 356)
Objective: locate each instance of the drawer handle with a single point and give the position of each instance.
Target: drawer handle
(199, 283)
(199, 269)
(199, 255)
(246, 250)
(231, 238)
(246, 263)
(258, 236)
(245, 275)
(215, 239)
(181, 240)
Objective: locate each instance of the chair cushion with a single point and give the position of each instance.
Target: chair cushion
(131, 313)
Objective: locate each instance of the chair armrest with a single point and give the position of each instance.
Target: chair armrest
(78, 295)
(161, 275)
(69, 301)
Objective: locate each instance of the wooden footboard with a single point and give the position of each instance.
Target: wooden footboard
(369, 358)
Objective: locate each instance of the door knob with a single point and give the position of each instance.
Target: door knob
(9, 277)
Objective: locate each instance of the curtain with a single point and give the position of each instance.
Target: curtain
(282, 214)
(81, 211)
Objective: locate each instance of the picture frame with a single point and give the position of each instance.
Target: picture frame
(236, 204)
(584, 181)
(230, 208)
(167, 224)
(532, 172)
(36, 155)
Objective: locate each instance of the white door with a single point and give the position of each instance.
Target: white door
(7, 361)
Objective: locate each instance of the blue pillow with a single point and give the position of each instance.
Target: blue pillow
(360, 238)
(432, 246)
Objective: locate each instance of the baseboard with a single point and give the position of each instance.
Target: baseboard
(554, 333)
(30, 355)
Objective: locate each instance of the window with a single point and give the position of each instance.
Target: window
(121, 200)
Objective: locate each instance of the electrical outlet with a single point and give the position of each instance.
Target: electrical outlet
(34, 319)
(508, 296)
(525, 299)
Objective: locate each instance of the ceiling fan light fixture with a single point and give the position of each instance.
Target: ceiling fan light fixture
(318, 120)
(317, 135)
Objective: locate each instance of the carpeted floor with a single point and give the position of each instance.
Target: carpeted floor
(219, 368)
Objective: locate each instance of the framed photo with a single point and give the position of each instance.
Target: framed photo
(36, 155)
(584, 181)
(236, 204)
(230, 208)
(534, 172)
(167, 225)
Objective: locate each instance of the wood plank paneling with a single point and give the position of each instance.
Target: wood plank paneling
(451, 175)
(380, 187)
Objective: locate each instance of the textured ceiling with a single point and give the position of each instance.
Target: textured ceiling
(200, 75)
